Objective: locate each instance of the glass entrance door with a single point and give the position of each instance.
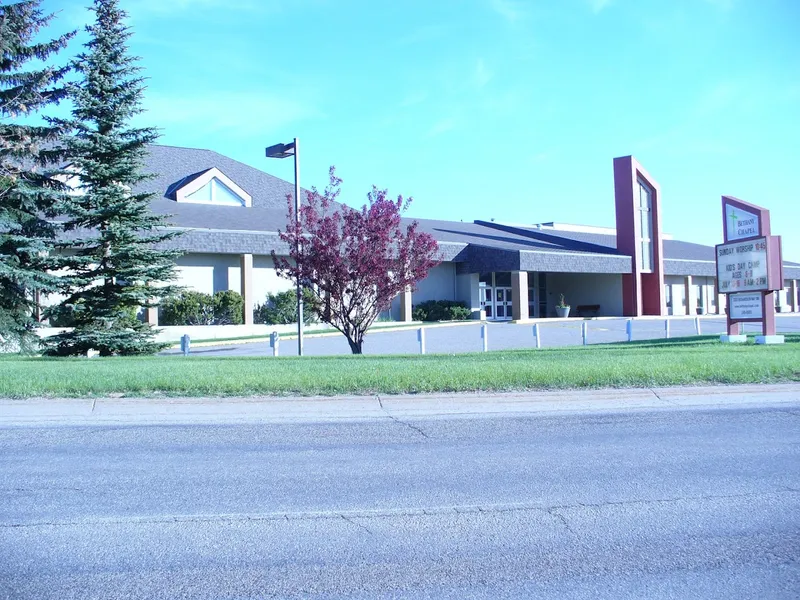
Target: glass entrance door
(502, 303)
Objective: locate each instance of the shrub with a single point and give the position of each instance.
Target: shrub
(228, 308)
(281, 308)
(196, 308)
(188, 308)
(440, 310)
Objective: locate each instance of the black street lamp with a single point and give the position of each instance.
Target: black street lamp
(284, 151)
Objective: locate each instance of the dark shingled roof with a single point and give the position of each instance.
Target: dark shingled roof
(232, 229)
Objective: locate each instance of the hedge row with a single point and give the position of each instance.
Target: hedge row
(440, 310)
(196, 308)
(281, 308)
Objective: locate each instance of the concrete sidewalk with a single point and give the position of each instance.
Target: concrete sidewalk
(168, 411)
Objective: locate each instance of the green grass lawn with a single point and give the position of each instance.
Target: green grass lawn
(687, 361)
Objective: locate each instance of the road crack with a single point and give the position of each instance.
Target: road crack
(399, 421)
(655, 393)
(359, 525)
(554, 513)
(387, 513)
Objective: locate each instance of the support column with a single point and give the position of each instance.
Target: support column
(151, 316)
(405, 306)
(519, 295)
(793, 292)
(691, 300)
(247, 287)
(768, 308)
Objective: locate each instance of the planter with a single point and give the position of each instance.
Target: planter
(562, 311)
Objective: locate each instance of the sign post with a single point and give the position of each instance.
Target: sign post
(749, 269)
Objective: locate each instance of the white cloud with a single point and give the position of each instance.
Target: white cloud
(717, 97)
(426, 33)
(442, 126)
(599, 5)
(510, 10)
(482, 75)
(414, 98)
(136, 7)
(239, 114)
(722, 4)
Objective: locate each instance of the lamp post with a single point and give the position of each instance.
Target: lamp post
(283, 151)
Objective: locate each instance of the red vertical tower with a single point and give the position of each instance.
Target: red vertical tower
(638, 207)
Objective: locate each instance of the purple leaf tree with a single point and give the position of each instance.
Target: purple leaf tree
(354, 262)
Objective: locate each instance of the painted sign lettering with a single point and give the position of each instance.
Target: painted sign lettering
(742, 266)
(745, 306)
(740, 224)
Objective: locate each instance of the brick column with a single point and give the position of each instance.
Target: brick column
(691, 301)
(405, 306)
(247, 287)
(519, 295)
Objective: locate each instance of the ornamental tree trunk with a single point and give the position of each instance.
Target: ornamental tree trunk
(355, 344)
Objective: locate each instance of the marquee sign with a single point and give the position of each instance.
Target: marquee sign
(743, 267)
(749, 267)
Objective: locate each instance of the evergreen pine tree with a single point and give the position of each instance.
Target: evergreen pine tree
(113, 256)
(28, 156)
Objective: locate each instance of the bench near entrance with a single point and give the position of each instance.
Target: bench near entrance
(587, 310)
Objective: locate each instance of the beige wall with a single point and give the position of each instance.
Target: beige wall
(468, 292)
(440, 284)
(210, 273)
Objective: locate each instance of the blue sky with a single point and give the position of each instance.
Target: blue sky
(481, 109)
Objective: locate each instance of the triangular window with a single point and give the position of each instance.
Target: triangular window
(216, 192)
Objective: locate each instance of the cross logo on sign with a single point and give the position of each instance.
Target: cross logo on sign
(734, 217)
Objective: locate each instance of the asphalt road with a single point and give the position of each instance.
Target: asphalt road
(502, 336)
(674, 502)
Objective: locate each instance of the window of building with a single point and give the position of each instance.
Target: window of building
(531, 295)
(216, 192)
(700, 296)
(646, 226)
(542, 294)
(502, 279)
(211, 187)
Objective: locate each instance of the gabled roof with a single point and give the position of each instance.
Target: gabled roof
(476, 245)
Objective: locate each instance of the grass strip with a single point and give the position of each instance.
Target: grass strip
(673, 362)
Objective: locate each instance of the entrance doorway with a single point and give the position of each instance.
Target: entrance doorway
(496, 296)
(502, 303)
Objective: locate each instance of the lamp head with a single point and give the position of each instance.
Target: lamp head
(280, 150)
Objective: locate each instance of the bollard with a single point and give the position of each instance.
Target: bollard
(629, 329)
(274, 343)
(584, 331)
(697, 325)
(666, 328)
(421, 338)
(536, 335)
(186, 343)
(485, 336)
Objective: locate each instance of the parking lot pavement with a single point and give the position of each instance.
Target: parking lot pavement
(467, 337)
